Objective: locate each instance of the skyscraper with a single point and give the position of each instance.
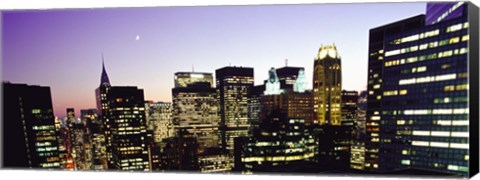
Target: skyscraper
(288, 76)
(29, 133)
(101, 94)
(195, 113)
(183, 79)
(233, 84)
(349, 105)
(327, 86)
(423, 103)
(159, 120)
(375, 79)
(127, 125)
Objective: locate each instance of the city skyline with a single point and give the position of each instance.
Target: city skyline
(411, 116)
(68, 44)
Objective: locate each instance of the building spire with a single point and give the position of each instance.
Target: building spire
(104, 79)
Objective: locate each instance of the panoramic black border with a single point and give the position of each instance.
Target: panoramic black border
(473, 68)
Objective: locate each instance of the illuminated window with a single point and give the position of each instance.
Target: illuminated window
(460, 134)
(390, 93)
(412, 59)
(445, 54)
(459, 146)
(36, 111)
(420, 143)
(443, 42)
(454, 40)
(462, 87)
(406, 162)
(465, 37)
(441, 133)
(439, 144)
(449, 88)
(421, 133)
(423, 46)
(392, 53)
(403, 92)
(455, 27)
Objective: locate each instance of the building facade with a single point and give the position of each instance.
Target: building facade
(183, 79)
(424, 105)
(233, 84)
(417, 115)
(159, 120)
(196, 114)
(127, 124)
(375, 78)
(29, 133)
(327, 86)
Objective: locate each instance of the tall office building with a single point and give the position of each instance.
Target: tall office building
(423, 95)
(76, 132)
(375, 79)
(94, 141)
(195, 113)
(159, 120)
(349, 106)
(278, 142)
(254, 106)
(122, 113)
(279, 137)
(327, 86)
(101, 94)
(288, 76)
(29, 134)
(183, 79)
(234, 84)
(127, 125)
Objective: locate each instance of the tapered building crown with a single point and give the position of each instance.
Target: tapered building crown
(104, 79)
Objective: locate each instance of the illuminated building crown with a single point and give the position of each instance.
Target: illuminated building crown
(329, 50)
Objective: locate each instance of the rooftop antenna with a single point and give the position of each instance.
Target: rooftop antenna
(193, 68)
(286, 62)
(229, 64)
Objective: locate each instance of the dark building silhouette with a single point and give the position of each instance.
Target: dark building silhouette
(254, 106)
(349, 105)
(278, 141)
(29, 133)
(180, 153)
(334, 146)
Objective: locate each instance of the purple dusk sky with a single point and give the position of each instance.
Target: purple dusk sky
(62, 48)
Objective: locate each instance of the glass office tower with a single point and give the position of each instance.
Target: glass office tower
(423, 115)
(29, 133)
